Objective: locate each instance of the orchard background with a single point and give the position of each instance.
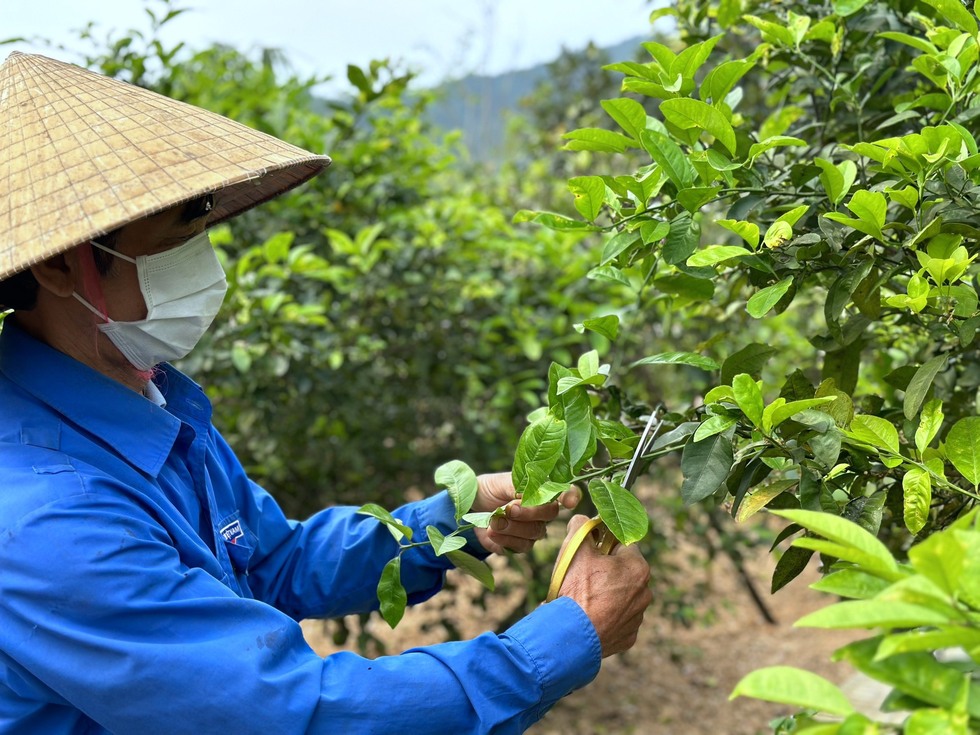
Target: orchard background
(762, 226)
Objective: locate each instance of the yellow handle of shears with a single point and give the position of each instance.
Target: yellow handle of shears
(604, 542)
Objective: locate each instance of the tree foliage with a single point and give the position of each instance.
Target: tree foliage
(384, 318)
(810, 190)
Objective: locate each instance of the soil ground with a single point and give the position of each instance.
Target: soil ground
(675, 681)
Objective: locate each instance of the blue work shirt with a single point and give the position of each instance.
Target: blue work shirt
(148, 586)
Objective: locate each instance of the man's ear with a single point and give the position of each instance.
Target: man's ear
(58, 274)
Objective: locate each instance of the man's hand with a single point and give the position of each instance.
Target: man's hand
(612, 590)
(521, 527)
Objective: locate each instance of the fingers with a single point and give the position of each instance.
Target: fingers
(571, 497)
(519, 527)
(574, 524)
(518, 512)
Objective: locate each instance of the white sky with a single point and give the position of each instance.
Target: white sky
(442, 37)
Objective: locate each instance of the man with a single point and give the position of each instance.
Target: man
(146, 584)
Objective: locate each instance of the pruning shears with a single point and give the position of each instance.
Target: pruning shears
(601, 537)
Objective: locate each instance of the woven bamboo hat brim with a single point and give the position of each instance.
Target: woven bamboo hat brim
(82, 154)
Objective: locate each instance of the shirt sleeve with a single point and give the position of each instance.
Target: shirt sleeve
(329, 565)
(96, 603)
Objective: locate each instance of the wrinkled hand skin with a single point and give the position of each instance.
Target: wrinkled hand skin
(613, 590)
(522, 527)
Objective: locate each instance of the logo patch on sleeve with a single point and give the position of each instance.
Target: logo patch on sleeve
(232, 532)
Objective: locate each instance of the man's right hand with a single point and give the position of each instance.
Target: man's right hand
(613, 590)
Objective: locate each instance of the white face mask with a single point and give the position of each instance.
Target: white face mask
(183, 289)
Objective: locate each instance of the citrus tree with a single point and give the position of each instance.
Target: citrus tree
(811, 188)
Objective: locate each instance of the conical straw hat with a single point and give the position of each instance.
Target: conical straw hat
(82, 154)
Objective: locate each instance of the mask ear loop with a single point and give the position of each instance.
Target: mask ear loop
(91, 282)
(92, 287)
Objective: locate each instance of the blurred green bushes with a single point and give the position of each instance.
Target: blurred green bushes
(385, 317)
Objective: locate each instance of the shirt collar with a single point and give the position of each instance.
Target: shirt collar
(153, 394)
(141, 432)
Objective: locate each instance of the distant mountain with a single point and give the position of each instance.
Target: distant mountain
(477, 105)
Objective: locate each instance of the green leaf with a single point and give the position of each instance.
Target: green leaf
(617, 245)
(472, 566)
(691, 59)
(397, 529)
(851, 583)
(872, 613)
(240, 357)
(713, 425)
(790, 565)
(628, 114)
(748, 231)
(775, 141)
(929, 424)
(848, 535)
(654, 230)
(750, 359)
(696, 197)
(442, 544)
(683, 285)
(391, 595)
(671, 159)
(607, 326)
(460, 481)
(915, 394)
(596, 139)
(553, 221)
(845, 8)
(763, 301)
(916, 42)
(937, 722)
(719, 81)
(908, 197)
(543, 494)
(928, 640)
(588, 364)
(714, 254)
(679, 358)
(843, 289)
(876, 431)
(689, 113)
(482, 520)
(955, 13)
(748, 396)
(796, 687)
(963, 448)
(619, 509)
(759, 497)
(609, 273)
(772, 32)
(589, 193)
(538, 450)
(790, 409)
(682, 240)
(917, 499)
(276, 248)
(919, 675)
(836, 179)
(580, 429)
(705, 465)
(870, 207)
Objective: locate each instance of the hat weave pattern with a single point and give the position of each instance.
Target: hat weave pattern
(82, 154)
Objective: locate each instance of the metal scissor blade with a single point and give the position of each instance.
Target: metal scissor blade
(633, 470)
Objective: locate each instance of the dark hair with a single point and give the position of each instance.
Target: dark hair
(19, 291)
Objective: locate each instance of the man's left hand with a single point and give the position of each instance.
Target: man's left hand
(520, 527)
